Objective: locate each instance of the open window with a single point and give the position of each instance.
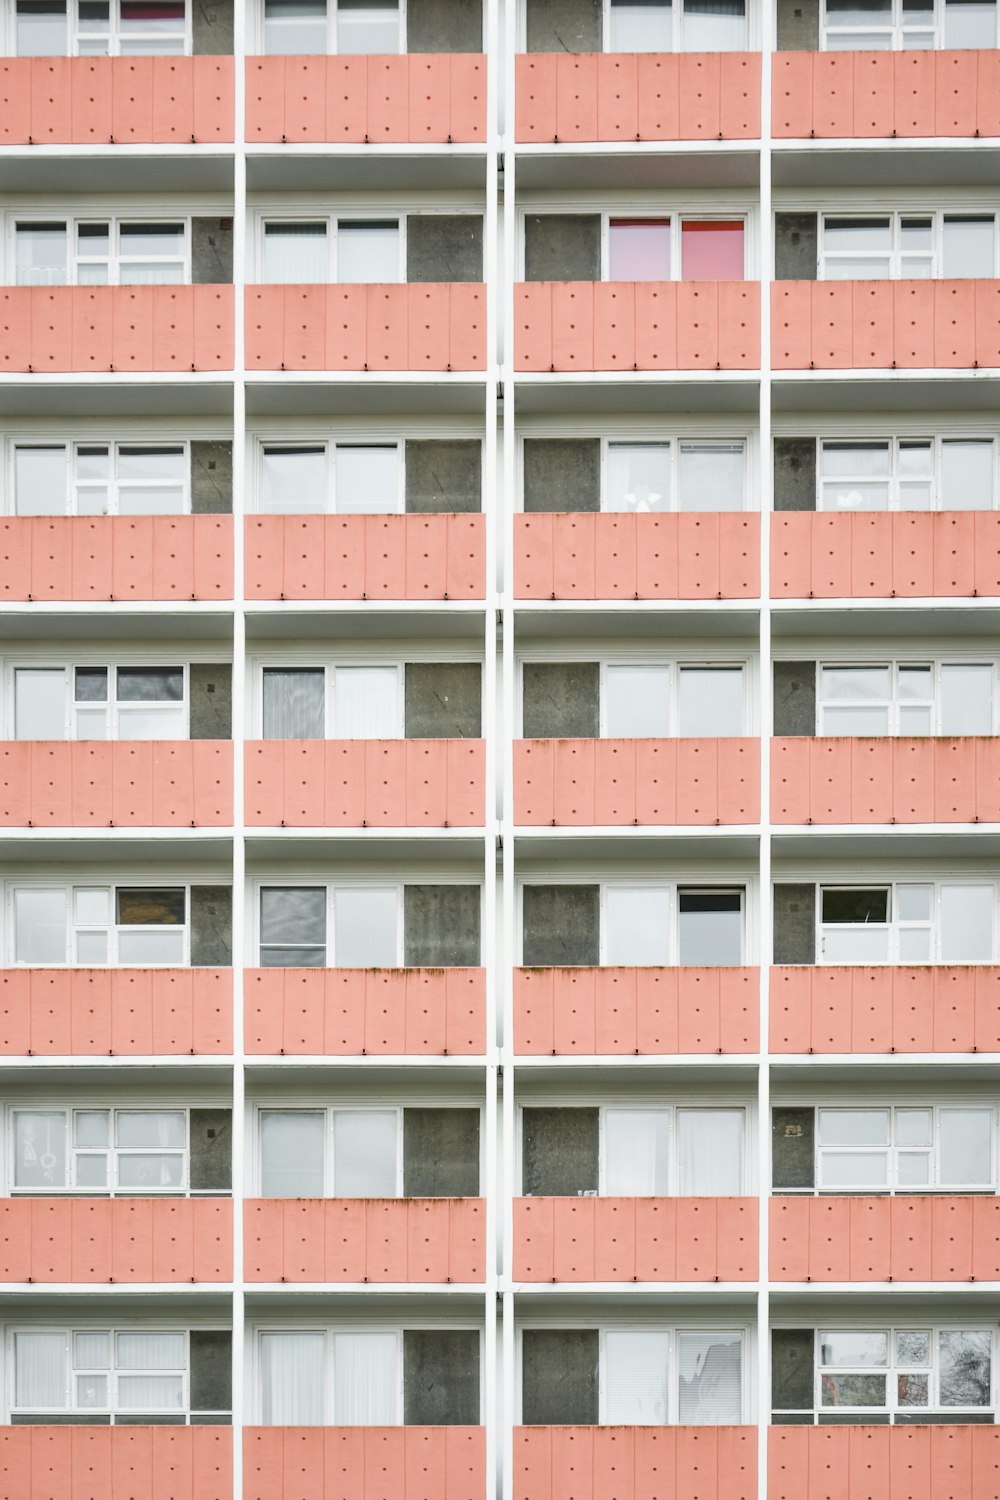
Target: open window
(908, 922)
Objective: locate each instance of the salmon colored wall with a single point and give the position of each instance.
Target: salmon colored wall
(116, 1463)
(572, 1012)
(906, 325)
(892, 1008)
(843, 780)
(91, 101)
(899, 1463)
(146, 784)
(347, 1012)
(364, 1463)
(116, 1239)
(636, 325)
(586, 556)
(417, 98)
(422, 326)
(635, 1239)
(366, 557)
(122, 1012)
(839, 94)
(907, 1238)
(649, 782)
(689, 96)
(116, 558)
(97, 329)
(365, 1239)
(365, 783)
(944, 554)
(635, 1463)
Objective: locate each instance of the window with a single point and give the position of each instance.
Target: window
(643, 700)
(364, 922)
(321, 250)
(112, 1151)
(115, 1372)
(348, 479)
(905, 1149)
(947, 921)
(908, 474)
(303, 27)
(875, 247)
(330, 1153)
(101, 479)
(907, 698)
(685, 1152)
(675, 248)
(688, 26)
(676, 475)
(655, 1376)
(142, 926)
(311, 1377)
(100, 703)
(660, 924)
(891, 25)
(101, 252)
(337, 703)
(101, 28)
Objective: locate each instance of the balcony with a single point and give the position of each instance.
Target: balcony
(430, 327)
(363, 1463)
(366, 557)
(883, 555)
(123, 101)
(117, 1463)
(628, 97)
(651, 783)
(581, 556)
(365, 1239)
(635, 1239)
(861, 1463)
(95, 330)
(635, 1463)
(837, 95)
(416, 99)
(125, 784)
(885, 325)
(844, 780)
(933, 1008)
(374, 1012)
(652, 1012)
(906, 1238)
(116, 1239)
(115, 558)
(115, 1012)
(591, 326)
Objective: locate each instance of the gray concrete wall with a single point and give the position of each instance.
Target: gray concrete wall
(444, 476)
(443, 700)
(792, 1157)
(795, 698)
(212, 1149)
(211, 926)
(441, 926)
(792, 1369)
(561, 925)
(441, 1377)
(441, 1153)
(212, 28)
(794, 924)
(559, 1376)
(211, 1369)
(444, 26)
(562, 474)
(211, 478)
(796, 247)
(211, 701)
(561, 700)
(211, 251)
(444, 247)
(562, 247)
(561, 1152)
(794, 473)
(564, 25)
(798, 25)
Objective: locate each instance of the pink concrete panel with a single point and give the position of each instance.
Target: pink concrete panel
(870, 94)
(153, 784)
(890, 780)
(635, 1463)
(100, 328)
(635, 1239)
(364, 1463)
(118, 100)
(884, 554)
(116, 558)
(366, 1239)
(115, 1240)
(66, 1012)
(911, 1238)
(901, 1463)
(117, 1463)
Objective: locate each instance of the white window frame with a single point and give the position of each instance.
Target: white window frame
(677, 27)
(331, 33)
(113, 1411)
(112, 886)
(677, 217)
(897, 271)
(74, 486)
(114, 222)
(329, 669)
(674, 442)
(897, 500)
(69, 688)
(73, 34)
(894, 702)
(894, 30)
(329, 446)
(328, 1111)
(894, 927)
(332, 222)
(893, 1149)
(112, 1152)
(283, 882)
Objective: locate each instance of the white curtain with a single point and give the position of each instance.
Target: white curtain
(365, 923)
(365, 1379)
(40, 1369)
(709, 1152)
(294, 704)
(146, 1352)
(291, 1153)
(709, 1371)
(295, 253)
(364, 1153)
(291, 1379)
(635, 1152)
(365, 703)
(635, 1376)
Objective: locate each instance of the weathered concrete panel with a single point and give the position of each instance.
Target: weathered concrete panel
(211, 926)
(792, 1132)
(211, 478)
(561, 1152)
(564, 25)
(441, 1377)
(559, 1376)
(212, 1149)
(798, 25)
(794, 473)
(444, 476)
(441, 926)
(211, 700)
(794, 698)
(441, 1153)
(562, 474)
(443, 700)
(796, 247)
(444, 26)
(212, 28)
(561, 700)
(444, 247)
(792, 1369)
(561, 925)
(211, 251)
(211, 1369)
(562, 247)
(794, 924)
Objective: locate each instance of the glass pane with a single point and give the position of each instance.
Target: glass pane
(968, 247)
(913, 1350)
(291, 1153)
(295, 253)
(144, 17)
(39, 1149)
(856, 684)
(966, 699)
(710, 477)
(293, 915)
(638, 477)
(853, 1390)
(710, 1152)
(151, 500)
(915, 684)
(150, 1392)
(710, 927)
(365, 1379)
(711, 250)
(855, 460)
(150, 1351)
(964, 1363)
(715, 26)
(640, 26)
(636, 702)
(855, 721)
(635, 1376)
(913, 1390)
(138, 948)
(364, 1153)
(293, 481)
(151, 239)
(92, 1171)
(367, 26)
(294, 704)
(913, 902)
(635, 1153)
(859, 905)
(710, 701)
(39, 704)
(365, 703)
(915, 945)
(295, 28)
(967, 475)
(854, 1127)
(854, 1348)
(150, 684)
(152, 907)
(365, 922)
(40, 481)
(639, 250)
(92, 1392)
(292, 1378)
(966, 923)
(366, 480)
(40, 926)
(636, 925)
(857, 235)
(152, 723)
(147, 1171)
(854, 1169)
(91, 724)
(913, 1127)
(367, 251)
(914, 1169)
(91, 684)
(41, 28)
(40, 1370)
(856, 945)
(92, 1351)
(41, 254)
(970, 23)
(709, 1375)
(965, 1150)
(91, 1127)
(148, 1127)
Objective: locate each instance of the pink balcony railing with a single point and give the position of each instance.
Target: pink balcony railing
(364, 1463)
(124, 101)
(933, 1008)
(885, 325)
(907, 1238)
(116, 1239)
(586, 556)
(591, 326)
(100, 329)
(355, 1012)
(944, 554)
(365, 1239)
(421, 97)
(888, 94)
(115, 559)
(574, 783)
(635, 1463)
(365, 783)
(117, 1463)
(435, 327)
(588, 1011)
(881, 1463)
(635, 1239)
(687, 96)
(119, 1012)
(844, 780)
(366, 557)
(87, 784)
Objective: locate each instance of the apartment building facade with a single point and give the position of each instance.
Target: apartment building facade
(499, 723)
